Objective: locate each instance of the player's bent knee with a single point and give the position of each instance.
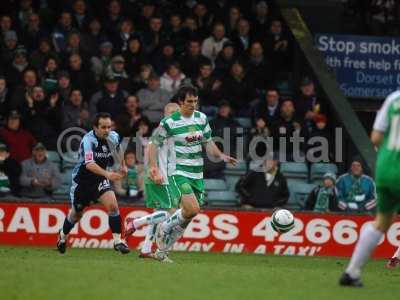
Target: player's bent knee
(113, 210)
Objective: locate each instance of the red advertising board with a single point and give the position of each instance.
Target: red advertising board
(211, 231)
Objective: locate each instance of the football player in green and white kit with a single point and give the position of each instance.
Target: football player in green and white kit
(163, 198)
(386, 136)
(189, 130)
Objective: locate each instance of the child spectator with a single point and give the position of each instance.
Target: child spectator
(323, 198)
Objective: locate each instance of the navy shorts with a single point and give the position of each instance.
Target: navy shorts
(82, 195)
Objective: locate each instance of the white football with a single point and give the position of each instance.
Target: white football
(282, 220)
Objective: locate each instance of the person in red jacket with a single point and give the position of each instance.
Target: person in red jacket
(18, 140)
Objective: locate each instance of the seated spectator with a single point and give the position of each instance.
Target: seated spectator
(117, 70)
(213, 45)
(64, 86)
(384, 16)
(45, 50)
(132, 185)
(191, 29)
(176, 32)
(15, 70)
(93, 37)
(120, 40)
(239, 90)
(192, 59)
(285, 128)
(127, 122)
(241, 37)
(356, 191)
(225, 59)
(307, 103)
(33, 32)
(48, 75)
(265, 187)
(81, 15)
(75, 114)
(9, 46)
(39, 177)
(81, 76)
(61, 31)
(260, 69)
(4, 99)
(232, 19)
(153, 99)
(203, 16)
(320, 130)
(134, 56)
(29, 81)
(261, 19)
(173, 78)
(100, 63)
(10, 170)
(19, 140)
(270, 107)
(323, 198)
(110, 99)
(74, 46)
(113, 18)
(164, 57)
(260, 133)
(141, 79)
(154, 36)
(209, 87)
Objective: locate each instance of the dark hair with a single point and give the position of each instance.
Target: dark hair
(130, 151)
(100, 115)
(184, 91)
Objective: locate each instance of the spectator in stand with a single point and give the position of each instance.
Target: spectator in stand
(213, 44)
(15, 70)
(39, 56)
(270, 107)
(141, 80)
(81, 15)
(277, 47)
(176, 32)
(323, 198)
(121, 39)
(9, 46)
(33, 32)
(265, 187)
(209, 87)
(261, 20)
(225, 59)
(241, 37)
(147, 10)
(260, 69)
(285, 128)
(10, 170)
(356, 191)
(173, 78)
(48, 75)
(75, 113)
(74, 46)
(19, 140)
(25, 10)
(203, 17)
(192, 59)
(127, 122)
(384, 17)
(320, 130)
(191, 29)
(100, 63)
(29, 80)
(110, 99)
(134, 56)
(42, 115)
(164, 57)
(61, 31)
(154, 36)
(6, 24)
(239, 89)
(260, 133)
(64, 86)
(131, 185)
(5, 98)
(81, 76)
(113, 18)
(93, 37)
(232, 19)
(39, 177)
(117, 70)
(153, 99)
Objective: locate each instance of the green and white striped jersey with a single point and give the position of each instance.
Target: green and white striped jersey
(187, 135)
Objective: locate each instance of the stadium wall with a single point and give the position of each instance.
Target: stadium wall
(37, 224)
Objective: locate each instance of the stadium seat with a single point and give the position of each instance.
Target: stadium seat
(294, 170)
(231, 181)
(215, 185)
(53, 157)
(222, 198)
(244, 122)
(239, 169)
(67, 177)
(318, 170)
(299, 192)
(256, 165)
(61, 193)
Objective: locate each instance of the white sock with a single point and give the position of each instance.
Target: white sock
(369, 239)
(176, 232)
(175, 219)
(63, 236)
(154, 218)
(397, 253)
(148, 240)
(117, 238)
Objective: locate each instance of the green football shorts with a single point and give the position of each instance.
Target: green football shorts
(187, 186)
(388, 198)
(164, 196)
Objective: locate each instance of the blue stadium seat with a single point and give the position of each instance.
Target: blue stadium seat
(256, 165)
(215, 184)
(299, 191)
(244, 122)
(294, 170)
(53, 157)
(222, 198)
(231, 181)
(67, 177)
(62, 193)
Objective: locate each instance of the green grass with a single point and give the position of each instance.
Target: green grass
(42, 273)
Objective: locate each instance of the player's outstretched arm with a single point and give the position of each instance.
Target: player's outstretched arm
(96, 169)
(212, 149)
(154, 172)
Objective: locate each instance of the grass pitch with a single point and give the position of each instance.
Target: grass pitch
(42, 273)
